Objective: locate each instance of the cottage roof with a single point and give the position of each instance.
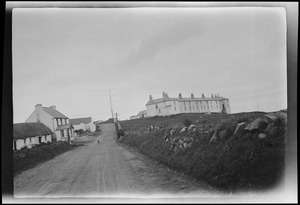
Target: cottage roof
(159, 100)
(78, 121)
(30, 129)
(64, 127)
(54, 113)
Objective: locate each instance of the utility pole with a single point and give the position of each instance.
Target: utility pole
(112, 114)
(116, 116)
(257, 106)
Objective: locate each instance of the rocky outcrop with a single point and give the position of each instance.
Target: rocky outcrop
(258, 124)
(239, 128)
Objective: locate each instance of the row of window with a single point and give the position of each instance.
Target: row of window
(61, 121)
(197, 107)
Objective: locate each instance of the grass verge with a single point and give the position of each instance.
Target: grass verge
(25, 158)
(240, 163)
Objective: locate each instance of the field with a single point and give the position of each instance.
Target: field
(240, 162)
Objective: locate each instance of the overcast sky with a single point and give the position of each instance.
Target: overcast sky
(71, 58)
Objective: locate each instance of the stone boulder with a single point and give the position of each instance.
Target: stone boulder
(262, 136)
(183, 130)
(258, 124)
(240, 128)
(191, 127)
(273, 116)
(214, 138)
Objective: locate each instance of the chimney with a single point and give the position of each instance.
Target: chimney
(192, 95)
(203, 96)
(180, 96)
(37, 106)
(166, 94)
(53, 107)
(150, 97)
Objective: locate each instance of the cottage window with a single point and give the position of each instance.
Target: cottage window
(156, 106)
(24, 141)
(40, 139)
(185, 108)
(175, 108)
(159, 110)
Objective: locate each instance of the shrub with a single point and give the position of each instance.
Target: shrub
(187, 122)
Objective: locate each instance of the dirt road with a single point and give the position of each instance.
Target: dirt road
(103, 169)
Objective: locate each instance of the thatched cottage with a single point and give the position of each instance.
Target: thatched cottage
(30, 134)
(55, 120)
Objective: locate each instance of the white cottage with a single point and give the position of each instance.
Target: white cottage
(53, 119)
(169, 106)
(30, 134)
(84, 123)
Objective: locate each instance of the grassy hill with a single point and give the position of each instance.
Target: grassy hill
(242, 161)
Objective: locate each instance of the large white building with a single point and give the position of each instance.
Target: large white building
(169, 106)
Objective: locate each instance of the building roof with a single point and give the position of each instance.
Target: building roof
(64, 127)
(30, 129)
(54, 113)
(166, 99)
(78, 121)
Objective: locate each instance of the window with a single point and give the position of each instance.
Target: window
(185, 108)
(30, 139)
(159, 110)
(175, 108)
(156, 106)
(24, 141)
(40, 139)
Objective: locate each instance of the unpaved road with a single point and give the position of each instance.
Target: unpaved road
(103, 169)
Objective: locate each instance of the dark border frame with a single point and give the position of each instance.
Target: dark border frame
(292, 56)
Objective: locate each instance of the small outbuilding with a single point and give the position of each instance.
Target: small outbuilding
(30, 134)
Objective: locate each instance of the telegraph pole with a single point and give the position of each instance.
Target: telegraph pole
(112, 114)
(257, 106)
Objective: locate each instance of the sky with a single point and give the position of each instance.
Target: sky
(72, 58)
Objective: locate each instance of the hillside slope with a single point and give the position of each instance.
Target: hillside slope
(212, 148)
